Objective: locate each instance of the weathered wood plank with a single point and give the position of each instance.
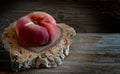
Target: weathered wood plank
(90, 53)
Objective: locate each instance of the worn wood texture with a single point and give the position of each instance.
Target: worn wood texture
(90, 53)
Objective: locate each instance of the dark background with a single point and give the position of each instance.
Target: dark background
(86, 16)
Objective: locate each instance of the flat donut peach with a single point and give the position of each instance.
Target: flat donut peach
(36, 28)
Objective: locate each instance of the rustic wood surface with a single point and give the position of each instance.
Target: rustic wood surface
(90, 53)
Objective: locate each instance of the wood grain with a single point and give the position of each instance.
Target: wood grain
(90, 53)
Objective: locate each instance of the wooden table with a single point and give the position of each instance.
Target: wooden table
(90, 53)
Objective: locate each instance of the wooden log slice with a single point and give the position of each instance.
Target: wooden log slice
(51, 55)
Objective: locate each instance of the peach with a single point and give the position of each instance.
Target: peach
(36, 28)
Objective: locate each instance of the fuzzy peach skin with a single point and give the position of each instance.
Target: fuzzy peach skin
(36, 28)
